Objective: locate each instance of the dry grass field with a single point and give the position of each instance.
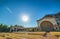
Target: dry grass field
(28, 35)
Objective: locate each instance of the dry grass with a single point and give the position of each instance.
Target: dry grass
(29, 35)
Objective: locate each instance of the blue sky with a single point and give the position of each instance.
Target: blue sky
(11, 11)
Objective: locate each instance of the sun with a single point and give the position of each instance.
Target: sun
(25, 18)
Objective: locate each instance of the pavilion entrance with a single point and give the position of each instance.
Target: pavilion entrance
(46, 26)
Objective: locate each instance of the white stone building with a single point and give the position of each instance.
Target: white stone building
(49, 22)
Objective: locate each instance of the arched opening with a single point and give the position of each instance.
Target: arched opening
(46, 26)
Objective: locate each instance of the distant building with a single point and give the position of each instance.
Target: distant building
(31, 29)
(16, 28)
(49, 22)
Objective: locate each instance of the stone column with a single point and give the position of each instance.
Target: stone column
(16, 29)
(10, 30)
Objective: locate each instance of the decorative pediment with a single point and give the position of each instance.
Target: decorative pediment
(47, 16)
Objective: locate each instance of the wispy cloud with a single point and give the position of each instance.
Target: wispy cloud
(9, 10)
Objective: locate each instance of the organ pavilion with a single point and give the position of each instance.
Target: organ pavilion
(50, 22)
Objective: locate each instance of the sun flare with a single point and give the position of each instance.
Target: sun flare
(25, 18)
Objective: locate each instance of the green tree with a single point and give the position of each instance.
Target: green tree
(4, 28)
(1, 25)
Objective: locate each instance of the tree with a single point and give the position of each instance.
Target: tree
(4, 28)
(1, 25)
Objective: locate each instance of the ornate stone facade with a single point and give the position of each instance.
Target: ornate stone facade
(49, 22)
(16, 28)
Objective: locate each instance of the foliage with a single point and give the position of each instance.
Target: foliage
(4, 28)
